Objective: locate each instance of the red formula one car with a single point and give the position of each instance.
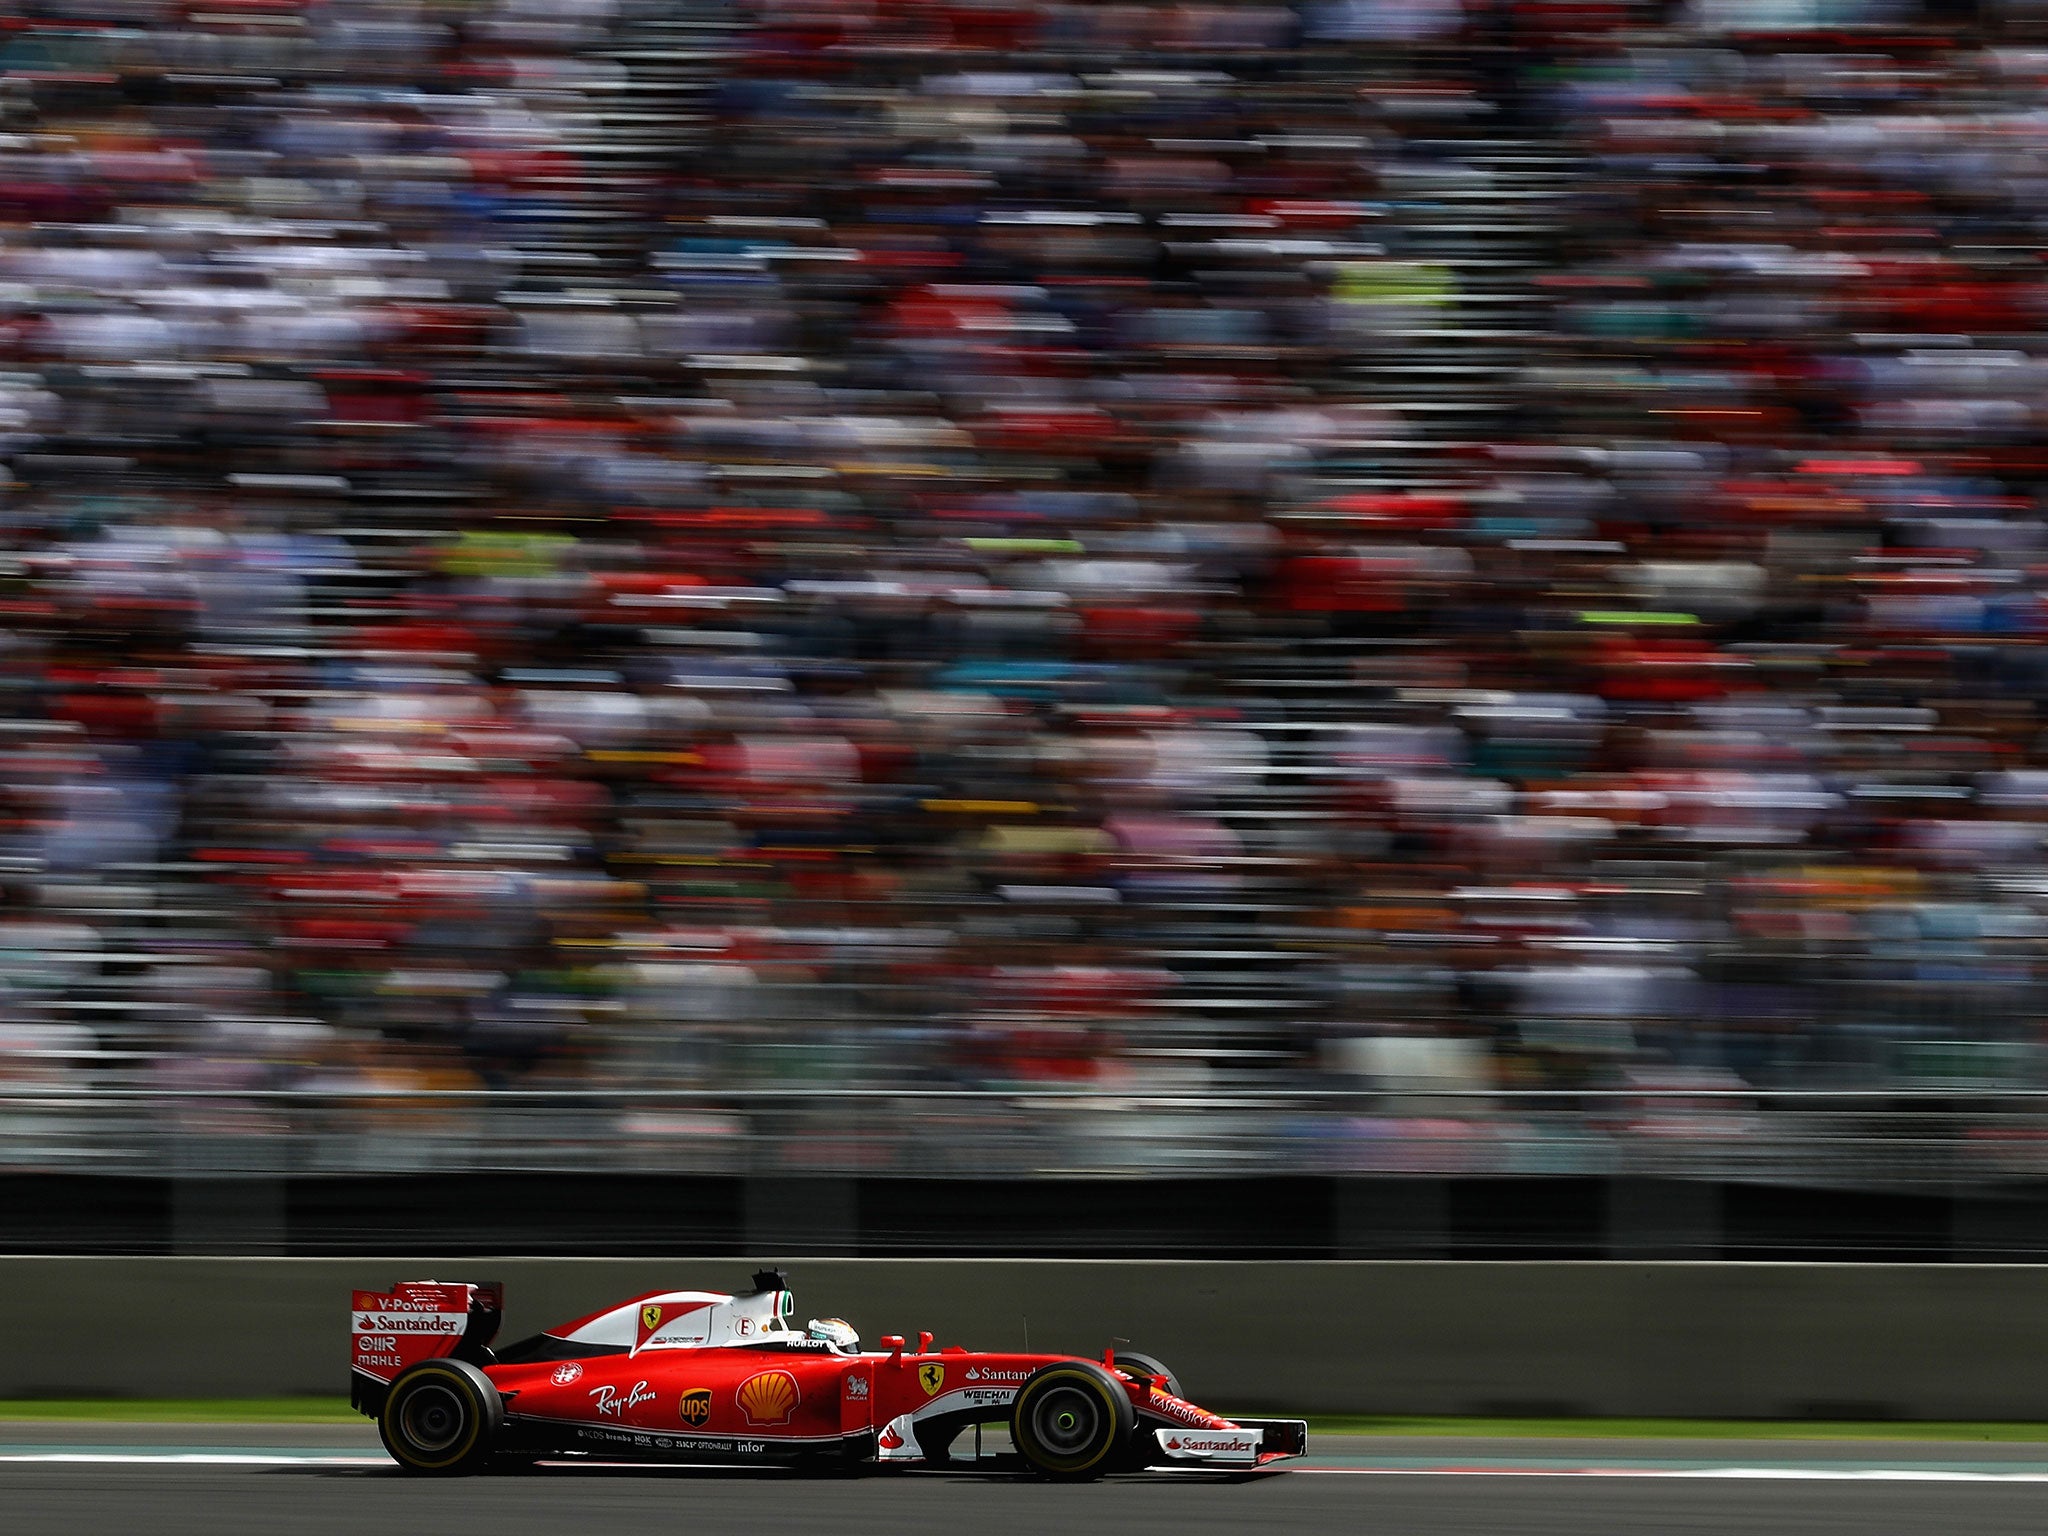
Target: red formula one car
(688, 1376)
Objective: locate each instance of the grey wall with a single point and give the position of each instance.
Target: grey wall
(1707, 1339)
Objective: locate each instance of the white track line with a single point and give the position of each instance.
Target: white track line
(195, 1459)
(1727, 1474)
(1720, 1474)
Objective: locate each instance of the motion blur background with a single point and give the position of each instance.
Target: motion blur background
(1368, 626)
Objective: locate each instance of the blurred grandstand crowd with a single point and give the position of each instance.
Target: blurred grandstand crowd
(1192, 548)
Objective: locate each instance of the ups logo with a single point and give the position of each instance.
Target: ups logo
(696, 1406)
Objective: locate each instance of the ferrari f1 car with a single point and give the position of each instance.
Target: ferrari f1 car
(691, 1376)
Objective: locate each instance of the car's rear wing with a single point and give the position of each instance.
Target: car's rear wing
(417, 1320)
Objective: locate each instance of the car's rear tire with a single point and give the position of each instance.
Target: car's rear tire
(1144, 1365)
(440, 1419)
(1072, 1421)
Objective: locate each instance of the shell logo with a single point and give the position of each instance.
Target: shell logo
(769, 1398)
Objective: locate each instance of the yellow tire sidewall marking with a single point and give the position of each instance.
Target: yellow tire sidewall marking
(1108, 1444)
(476, 1423)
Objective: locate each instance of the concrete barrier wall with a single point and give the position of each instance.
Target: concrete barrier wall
(1737, 1340)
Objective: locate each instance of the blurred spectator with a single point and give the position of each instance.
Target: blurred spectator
(925, 542)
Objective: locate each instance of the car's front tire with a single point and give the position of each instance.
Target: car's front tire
(1072, 1421)
(441, 1418)
(1145, 1365)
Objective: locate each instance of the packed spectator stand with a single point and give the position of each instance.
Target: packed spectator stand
(1356, 573)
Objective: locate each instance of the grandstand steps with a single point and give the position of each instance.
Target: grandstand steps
(1486, 210)
(643, 119)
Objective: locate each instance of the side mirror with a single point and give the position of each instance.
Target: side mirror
(924, 1342)
(893, 1342)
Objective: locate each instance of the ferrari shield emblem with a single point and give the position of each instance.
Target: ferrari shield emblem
(696, 1406)
(931, 1377)
(650, 1318)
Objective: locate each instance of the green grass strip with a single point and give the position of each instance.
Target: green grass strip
(195, 1410)
(1678, 1429)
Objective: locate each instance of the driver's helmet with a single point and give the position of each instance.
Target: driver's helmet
(834, 1331)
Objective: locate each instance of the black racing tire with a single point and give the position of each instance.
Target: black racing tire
(441, 1418)
(1145, 1365)
(1073, 1421)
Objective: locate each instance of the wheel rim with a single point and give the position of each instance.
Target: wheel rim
(1066, 1421)
(432, 1417)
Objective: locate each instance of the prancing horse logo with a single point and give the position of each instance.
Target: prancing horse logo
(931, 1377)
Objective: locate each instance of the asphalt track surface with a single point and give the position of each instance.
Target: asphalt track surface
(137, 1480)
